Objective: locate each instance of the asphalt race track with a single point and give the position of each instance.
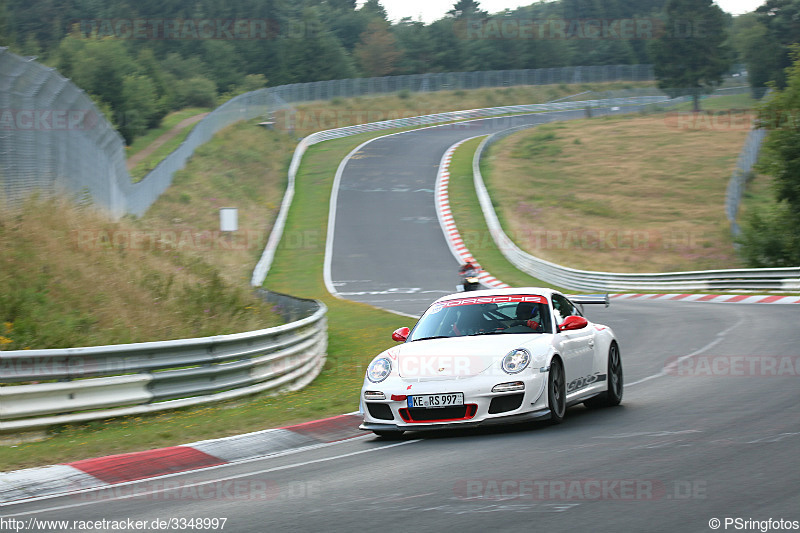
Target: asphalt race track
(387, 248)
(716, 437)
(709, 426)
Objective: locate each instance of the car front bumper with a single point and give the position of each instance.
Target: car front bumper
(481, 406)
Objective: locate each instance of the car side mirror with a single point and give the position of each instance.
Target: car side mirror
(400, 335)
(572, 323)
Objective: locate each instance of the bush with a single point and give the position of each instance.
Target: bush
(770, 239)
(196, 92)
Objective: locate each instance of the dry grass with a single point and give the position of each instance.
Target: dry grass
(245, 167)
(71, 278)
(632, 194)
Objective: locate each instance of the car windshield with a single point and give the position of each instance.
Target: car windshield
(491, 315)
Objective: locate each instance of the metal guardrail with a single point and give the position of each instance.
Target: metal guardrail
(772, 279)
(264, 264)
(46, 387)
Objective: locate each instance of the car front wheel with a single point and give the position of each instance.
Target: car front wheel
(556, 392)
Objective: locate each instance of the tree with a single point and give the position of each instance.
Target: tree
(781, 116)
(467, 9)
(318, 54)
(347, 5)
(374, 9)
(759, 50)
(139, 105)
(771, 238)
(415, 44)
(377, 51)
(222, 62)
(691, 57)
(5, 30)
(780, 19)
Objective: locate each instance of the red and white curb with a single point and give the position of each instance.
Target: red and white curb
(116, 470)
(445, 215)
(460, 251)
(716, 298)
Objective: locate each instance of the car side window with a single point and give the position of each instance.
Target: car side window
(563, 308)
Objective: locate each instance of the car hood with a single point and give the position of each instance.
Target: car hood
(459, 357)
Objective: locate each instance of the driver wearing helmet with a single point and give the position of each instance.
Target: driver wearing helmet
(527, 314)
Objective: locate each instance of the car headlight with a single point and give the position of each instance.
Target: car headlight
(516, 361)
(379, 369)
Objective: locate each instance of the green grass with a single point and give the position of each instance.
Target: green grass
(721, 103)
(167, 123)
(143, 168)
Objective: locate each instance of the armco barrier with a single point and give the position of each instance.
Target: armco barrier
(772, 279)
(46, 387)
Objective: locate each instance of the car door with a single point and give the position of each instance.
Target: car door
(577, 346)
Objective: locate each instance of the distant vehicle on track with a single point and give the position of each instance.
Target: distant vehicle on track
(469, 273)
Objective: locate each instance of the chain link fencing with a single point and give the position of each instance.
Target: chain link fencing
(748, 157)
(54, 139)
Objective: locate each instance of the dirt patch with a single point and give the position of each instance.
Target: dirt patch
(155, 145)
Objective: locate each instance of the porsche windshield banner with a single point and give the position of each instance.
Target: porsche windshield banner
(513, 298)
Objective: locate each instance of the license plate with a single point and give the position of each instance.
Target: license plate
(428, 401)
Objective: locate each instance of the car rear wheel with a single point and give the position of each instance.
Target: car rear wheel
(556, 392)
(613, 395)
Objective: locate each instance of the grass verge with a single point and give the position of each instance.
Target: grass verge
(619, 194)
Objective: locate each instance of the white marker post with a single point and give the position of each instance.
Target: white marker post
(228, 221)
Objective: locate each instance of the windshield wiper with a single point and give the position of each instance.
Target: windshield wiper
(434, 337)
(501, 332)
(496, 332)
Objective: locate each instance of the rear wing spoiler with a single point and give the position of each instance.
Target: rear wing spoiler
(591, 299)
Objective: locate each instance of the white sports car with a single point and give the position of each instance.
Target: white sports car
(492, 356)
